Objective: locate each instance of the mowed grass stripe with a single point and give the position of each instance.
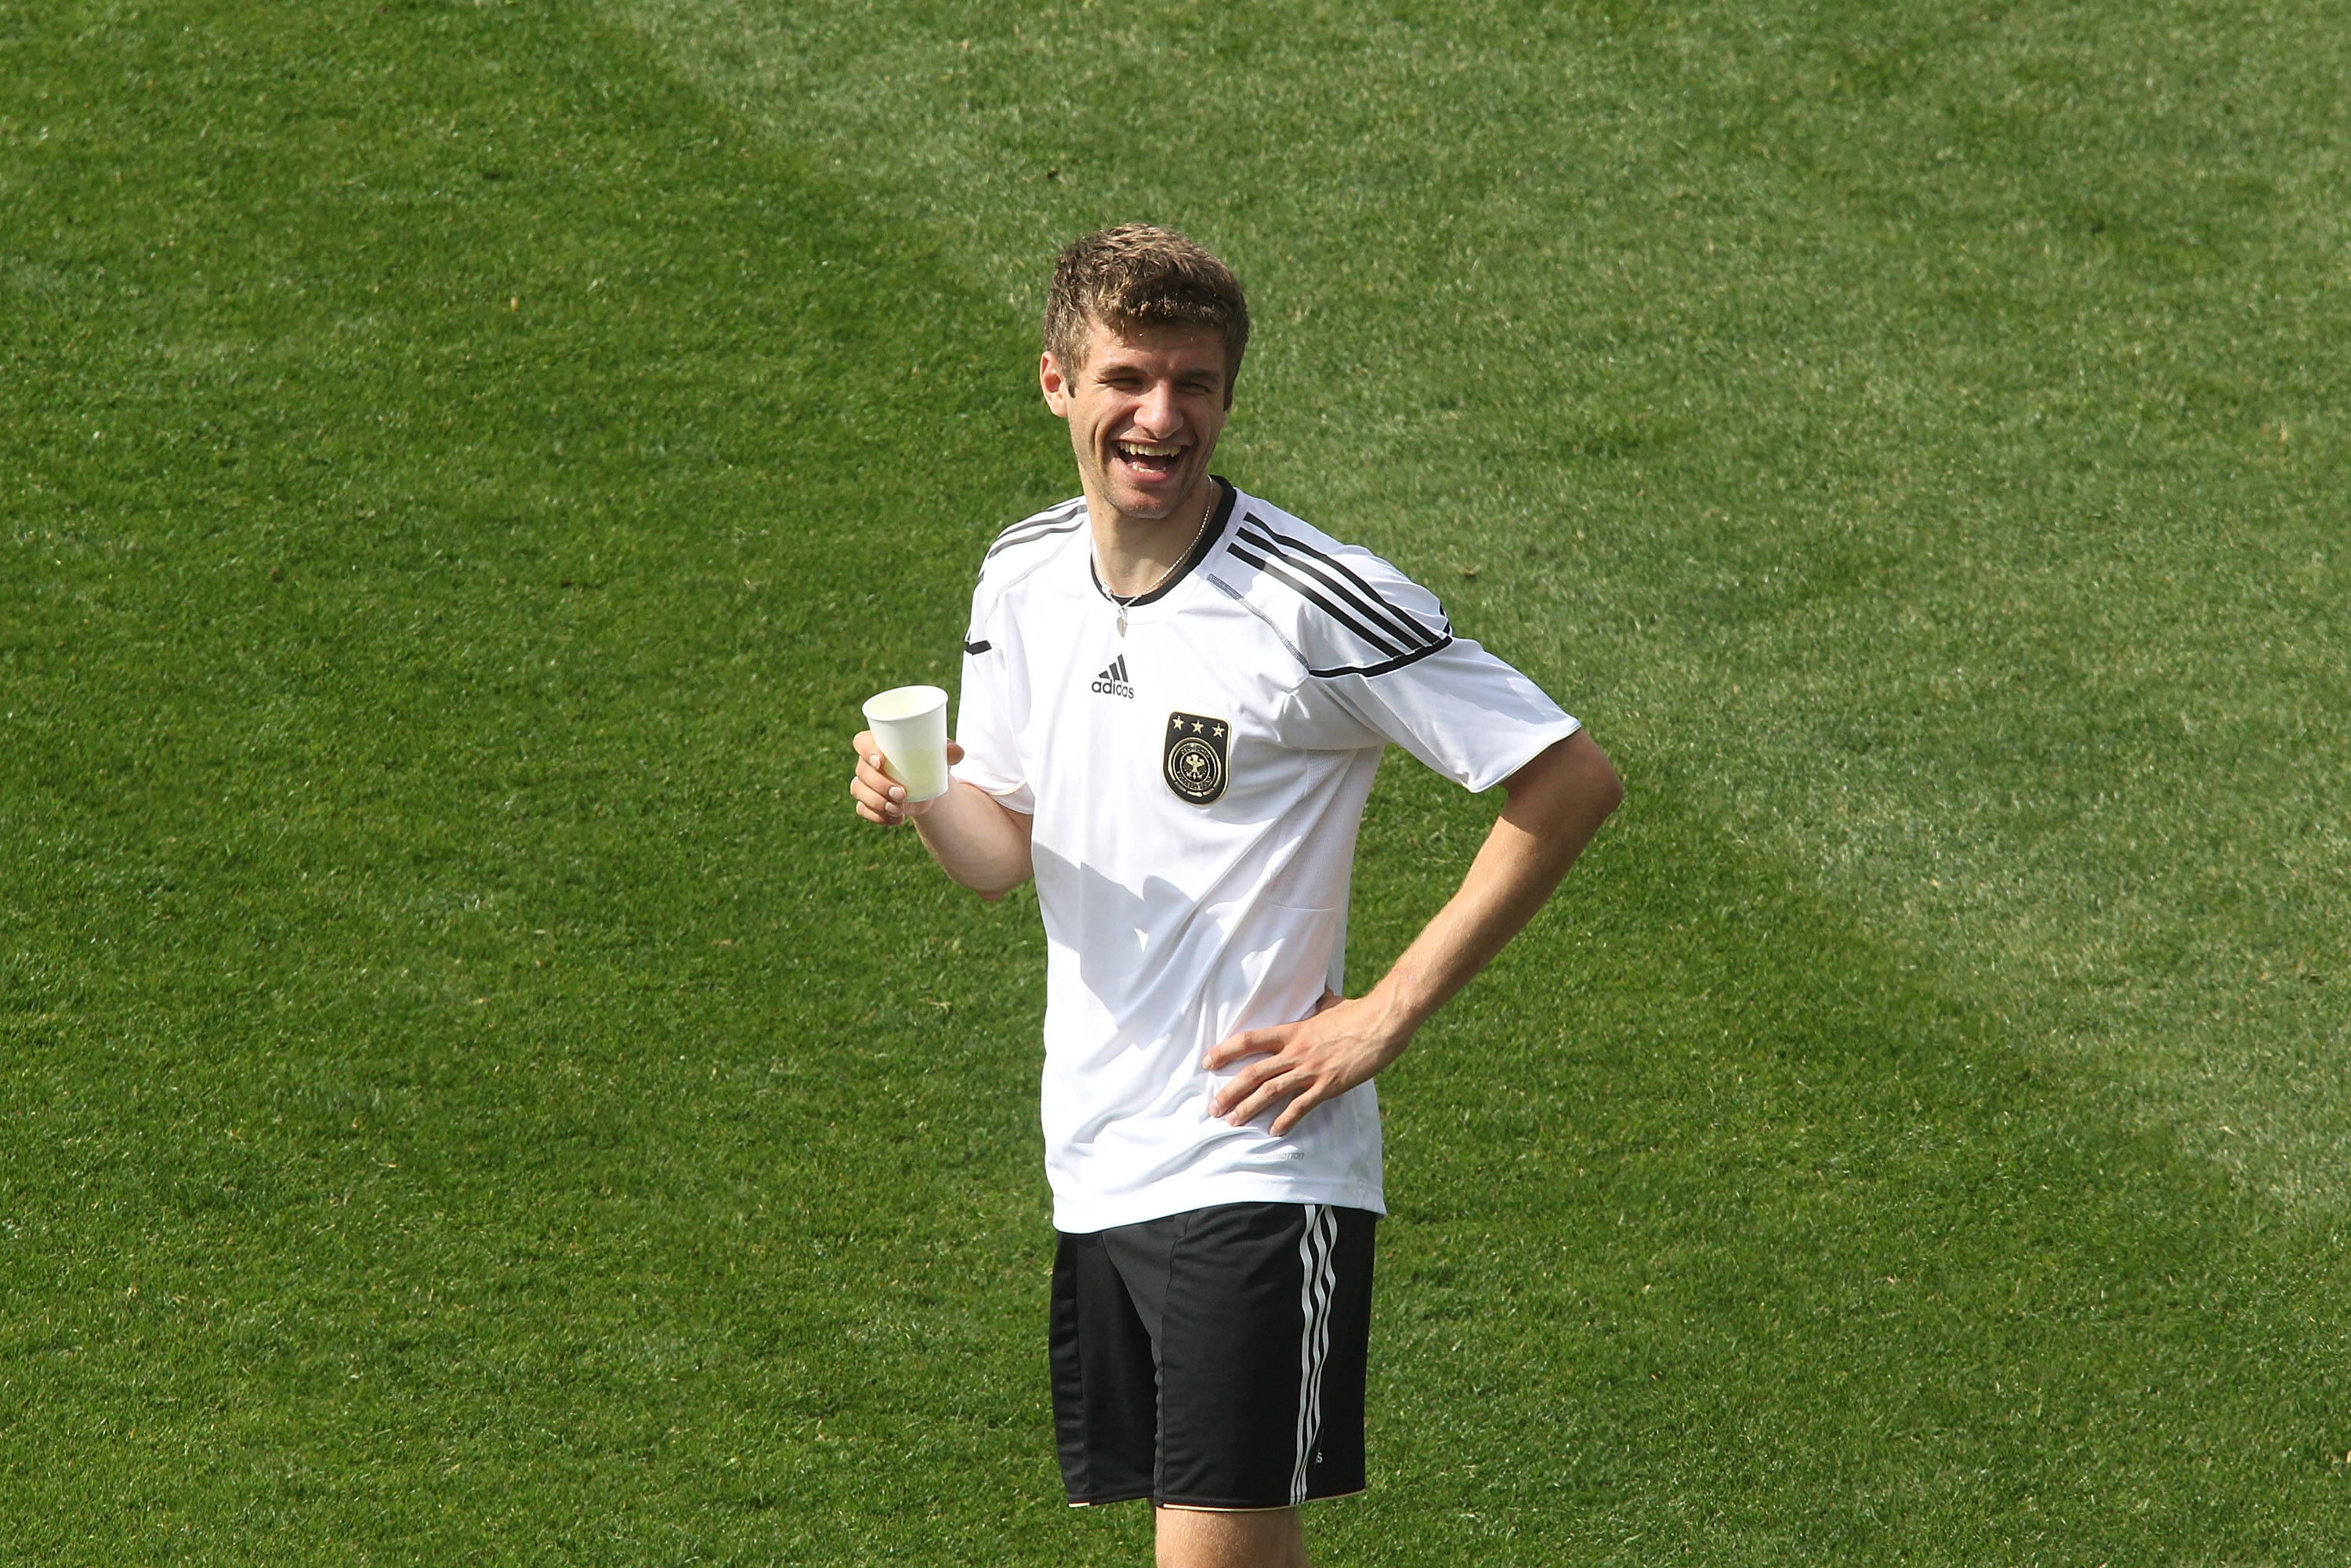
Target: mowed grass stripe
(691, 1206)
(1923, 425)
(1748, 1243)
(467, 1082)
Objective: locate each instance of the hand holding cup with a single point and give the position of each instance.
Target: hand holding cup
(878, 797)
(903, 760)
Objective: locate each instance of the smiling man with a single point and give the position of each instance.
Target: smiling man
(1174, 699)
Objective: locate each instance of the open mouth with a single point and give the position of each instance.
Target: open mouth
(1150, 459)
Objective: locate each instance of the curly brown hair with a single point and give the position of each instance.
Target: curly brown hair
(1139, 275)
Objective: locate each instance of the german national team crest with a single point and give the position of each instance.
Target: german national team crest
(1194, 761)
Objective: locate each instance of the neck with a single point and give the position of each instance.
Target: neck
(1132, 555)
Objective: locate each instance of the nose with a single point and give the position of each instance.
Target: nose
(1155, 413)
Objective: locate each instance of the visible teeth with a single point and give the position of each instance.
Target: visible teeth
(1147, 449)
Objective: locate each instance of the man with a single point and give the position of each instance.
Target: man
(1175, 696)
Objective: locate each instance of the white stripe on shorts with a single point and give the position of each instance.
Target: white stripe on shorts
(1318, 1245)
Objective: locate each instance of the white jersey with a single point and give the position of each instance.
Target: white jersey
(1196, 785)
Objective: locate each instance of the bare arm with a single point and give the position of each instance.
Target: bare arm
(978, 841)
(1557, 802)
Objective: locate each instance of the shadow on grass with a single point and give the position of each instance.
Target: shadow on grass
(473, 1092)
(1720, 1230)
(470, 1090)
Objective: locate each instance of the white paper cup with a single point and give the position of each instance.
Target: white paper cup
(911, 724)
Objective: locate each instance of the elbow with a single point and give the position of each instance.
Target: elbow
(994, 881)
(1562, 798)
(1598, 792)
(1590, 791)
(1608, 792)
(1595, 778)
(1577, 775)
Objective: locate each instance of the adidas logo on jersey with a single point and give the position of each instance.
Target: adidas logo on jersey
(1112, 683)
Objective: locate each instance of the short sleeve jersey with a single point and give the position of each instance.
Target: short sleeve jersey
(1195, 784)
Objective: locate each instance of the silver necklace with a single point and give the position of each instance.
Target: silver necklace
(1206, 513)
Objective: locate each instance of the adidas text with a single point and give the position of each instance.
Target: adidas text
(1111, 682)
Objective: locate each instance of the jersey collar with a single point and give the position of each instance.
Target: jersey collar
(1201, 547)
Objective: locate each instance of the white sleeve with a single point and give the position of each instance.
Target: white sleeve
(993, 711)
(1461, 710)
(1388, 661)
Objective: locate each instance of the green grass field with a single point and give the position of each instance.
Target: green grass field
(471, 1091)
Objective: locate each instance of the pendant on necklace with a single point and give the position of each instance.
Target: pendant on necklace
(1206, 512)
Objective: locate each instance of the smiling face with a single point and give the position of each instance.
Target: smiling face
(1145, 408)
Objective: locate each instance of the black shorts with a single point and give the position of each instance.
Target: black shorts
(1214, 1359)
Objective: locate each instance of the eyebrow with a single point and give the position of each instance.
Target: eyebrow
(1211, 375)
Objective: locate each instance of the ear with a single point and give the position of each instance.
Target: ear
(1055, 384)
